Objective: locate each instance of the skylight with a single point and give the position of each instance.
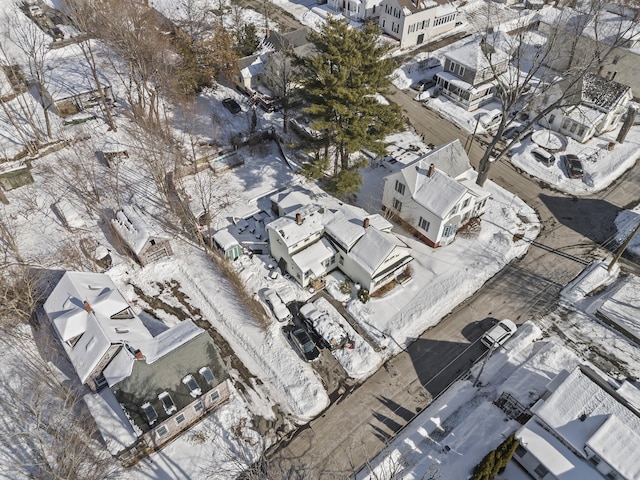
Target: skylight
(150, 413)
(207, 374)
(167, 403)
(194, 388)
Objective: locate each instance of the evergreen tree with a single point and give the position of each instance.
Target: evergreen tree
(340, 82)
(247, 40)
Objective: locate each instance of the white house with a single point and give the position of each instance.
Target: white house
(146, 389)
(414, 22)
(600, 107)
(584, 427)
(356, 9)
(435, 195)
(311, 241)
(140, 234)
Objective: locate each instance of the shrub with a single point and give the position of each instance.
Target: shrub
(496, 460)
(345, 287)
(363, 295)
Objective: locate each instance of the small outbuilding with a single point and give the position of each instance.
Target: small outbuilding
(140, 235)
(227, 244)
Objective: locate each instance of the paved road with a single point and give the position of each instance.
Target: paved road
(358, 426)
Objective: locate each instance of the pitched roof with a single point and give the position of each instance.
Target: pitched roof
(580, 406)
(475, 52)
(280, 41)
(413, 6)
(373, 248)
(600, 92)
(312, 223)
(135, 227)
(96, 330)
(346, 226)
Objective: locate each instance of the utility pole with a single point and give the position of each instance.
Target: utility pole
(486, 359)
(623, 247)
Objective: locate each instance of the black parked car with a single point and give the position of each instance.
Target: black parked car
(512, 132)
(231, 105)
(301, 341)
(573, 165)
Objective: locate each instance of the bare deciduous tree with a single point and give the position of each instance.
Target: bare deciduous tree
(548, 66)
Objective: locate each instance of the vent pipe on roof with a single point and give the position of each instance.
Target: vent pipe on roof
(432, 170)
(365, 223)
(87, 306)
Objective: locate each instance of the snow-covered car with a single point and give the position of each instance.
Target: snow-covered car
(499, 333)
(301, 342)
(277, 306)
(331, 332)
(573, 165)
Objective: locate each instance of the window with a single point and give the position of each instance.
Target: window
(460, 70)
(400, 187)
(162, 431)
(152, 241)
(180, 419)
(452, 67)
(167, 403)
(150, 413)
(520, 451)
(449, 231)
(397, 205)
(207, 374)
(192, 385)
(341, 261)
(541, 470)
(612, 476)
(465, 204)
(198, 407)
(552, 118)
(423, 224)
(215, 396)
(581, 131)
(595, 460)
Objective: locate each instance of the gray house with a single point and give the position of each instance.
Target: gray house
(469, 74)
(140, 235)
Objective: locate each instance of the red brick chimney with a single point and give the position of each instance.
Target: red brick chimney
(138, 354)
(87, 307)
(432, 170)
(365, 223)
(298, 219)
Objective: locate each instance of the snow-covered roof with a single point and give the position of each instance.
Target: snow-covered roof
(578, 408)
(311, 258)
(413, 6)
(71, 75)
(92, 331)
(346, 227)
(373, 248)
(561, 462)
(292, 232)
(135, 228)
(618, 444)
(450, 158)
(291, 199)
(438, 193)
(458, 82)
(225, 239)
(70, 213)
(114, 426)
(253, 66)
(474, 52)
(612, 25)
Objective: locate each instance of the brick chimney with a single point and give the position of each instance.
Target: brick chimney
(87, 307)
(298, 219)
(365, 223)
(138, 354)
(432, 170)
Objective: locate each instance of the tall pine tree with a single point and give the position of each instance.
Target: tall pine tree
(340, 82)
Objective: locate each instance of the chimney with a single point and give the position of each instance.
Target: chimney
(365, 223)
(87, 307)
(432, 170)
(138, 354)
(298, 219)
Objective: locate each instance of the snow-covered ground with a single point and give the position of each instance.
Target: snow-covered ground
(451, 436)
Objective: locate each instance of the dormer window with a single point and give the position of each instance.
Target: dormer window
(207, 374)
(192, 385)
(150, 413)
(125, 314)
(167, 403)
(72, 341)
(400, 187)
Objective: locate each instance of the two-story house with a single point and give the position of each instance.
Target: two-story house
(435, 195)
(413, 22)
(358, 10)
(146, 389)
(311, 241)
(583, 427)
(470, 69)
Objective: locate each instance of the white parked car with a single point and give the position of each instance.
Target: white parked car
(278, 307)
(499, 333)
(332, 333)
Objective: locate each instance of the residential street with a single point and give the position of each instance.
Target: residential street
(354, 429)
